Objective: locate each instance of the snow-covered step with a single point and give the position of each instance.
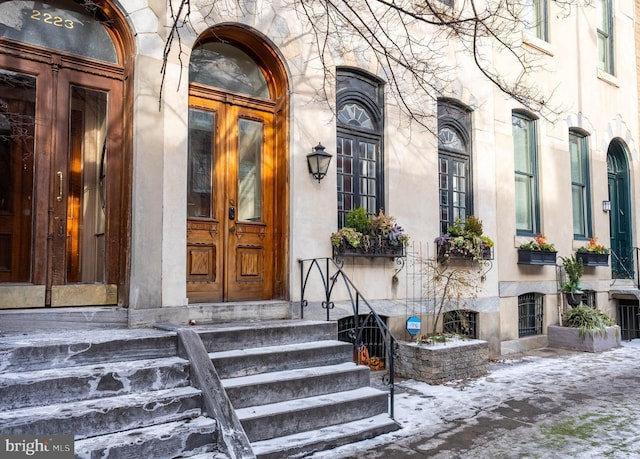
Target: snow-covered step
(250, 361)
(25, 389)
(85, 347)
(227, 337)
(324, 438)
(278, 386)
(188, 438)
(111, 414)
(301, 415)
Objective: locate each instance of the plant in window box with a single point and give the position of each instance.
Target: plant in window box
(464, 241)
(574, 270)
(594, 254)
(537, 252)
(362, 235)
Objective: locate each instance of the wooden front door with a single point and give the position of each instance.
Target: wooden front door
(60, 138)
(620, 217)
(230, 203)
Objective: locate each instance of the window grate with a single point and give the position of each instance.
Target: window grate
(530, 314)
(371, 335)
(629, 320)
(461, 321)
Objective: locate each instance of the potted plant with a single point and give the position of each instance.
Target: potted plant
(574, 269)
(464, 241)
(377, 236)
(594, 254)
(537, 252)
(585, 329)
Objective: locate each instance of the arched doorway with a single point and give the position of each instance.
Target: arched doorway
(63, 152)
(237, 192)
(620, 215)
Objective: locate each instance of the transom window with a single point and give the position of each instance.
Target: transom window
(359, 157)
(456, 194)
(579, 156)
(227, 67)
(530, 314)
(526, 174)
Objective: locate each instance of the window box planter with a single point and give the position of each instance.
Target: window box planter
(377, 248)
(447, 251)
(593, 259)
(536, 257)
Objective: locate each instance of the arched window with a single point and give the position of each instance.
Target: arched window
(454, 163)
(359, 155)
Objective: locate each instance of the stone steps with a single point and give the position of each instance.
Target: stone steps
(246, 362)
(24, 389)
(188, 438)
(294, 388)
(281, 419)
(123, 393)
(128, 393)
(93, 417)
(327, 437)
(278, 386)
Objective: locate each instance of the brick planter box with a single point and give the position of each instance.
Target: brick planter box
(569, 338)
(439, 363)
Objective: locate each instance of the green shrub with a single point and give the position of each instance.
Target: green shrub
(587, 319)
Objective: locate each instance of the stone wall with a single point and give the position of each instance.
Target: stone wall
(439, 363)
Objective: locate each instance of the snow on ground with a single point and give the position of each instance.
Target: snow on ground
(568, 405)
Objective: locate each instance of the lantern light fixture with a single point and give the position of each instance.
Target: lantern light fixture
(318, 162)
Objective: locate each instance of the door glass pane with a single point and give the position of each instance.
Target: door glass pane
(86, 198)
(201, 154)
(17, 121)
(249, 170)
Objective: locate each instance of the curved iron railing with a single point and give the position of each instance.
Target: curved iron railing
(330, 274)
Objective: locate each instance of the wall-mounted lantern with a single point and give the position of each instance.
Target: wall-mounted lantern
(318, 162)
(606, 206)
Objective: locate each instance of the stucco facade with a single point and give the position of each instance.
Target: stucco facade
(601, 105)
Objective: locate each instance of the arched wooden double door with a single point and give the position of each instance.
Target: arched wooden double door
(237, 187)
(61, 157)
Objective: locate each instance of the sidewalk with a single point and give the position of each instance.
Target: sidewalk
(549, 403)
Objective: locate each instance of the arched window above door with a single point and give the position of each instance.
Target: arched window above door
(66, 26)
(227, 67)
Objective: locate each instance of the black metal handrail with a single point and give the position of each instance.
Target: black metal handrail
(329, 281)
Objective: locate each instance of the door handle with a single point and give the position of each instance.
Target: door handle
(60, 186)
(232, 213)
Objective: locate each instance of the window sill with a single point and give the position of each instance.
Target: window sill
(608, 78)
(538, 44)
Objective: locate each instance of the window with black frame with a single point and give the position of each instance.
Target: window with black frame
(359, 154)
(454, 163)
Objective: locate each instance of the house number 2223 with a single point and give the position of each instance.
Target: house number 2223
(48, 18)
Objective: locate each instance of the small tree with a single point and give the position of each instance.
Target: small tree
(448, 287)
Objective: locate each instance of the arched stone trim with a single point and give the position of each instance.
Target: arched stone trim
(578, 120)
(617, 128)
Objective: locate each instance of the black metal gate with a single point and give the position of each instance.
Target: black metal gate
(371, 335)
(628, 319)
